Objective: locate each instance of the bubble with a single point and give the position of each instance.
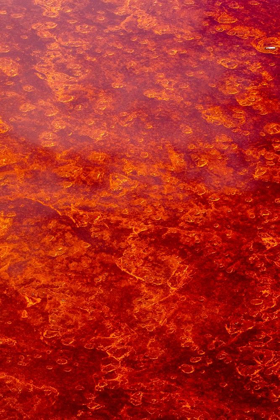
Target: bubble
(269, 45)
(188, 369)
(195, 359)
(201, 162)
(228, 63)
(226, 18)
(272, 128)
(64, 98)
(4, 48)
(24, 314)
(3, 127)
(62, 361)
(27, 107)
(28, 88)
(9, 67)
(136, 398)
(17, 15)
(186, 129)
(50, 334)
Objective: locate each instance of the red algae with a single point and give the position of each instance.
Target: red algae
(139, 219)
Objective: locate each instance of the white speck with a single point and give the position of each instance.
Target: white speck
(270, 48)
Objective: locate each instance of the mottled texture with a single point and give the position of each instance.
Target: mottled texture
(139, 219)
